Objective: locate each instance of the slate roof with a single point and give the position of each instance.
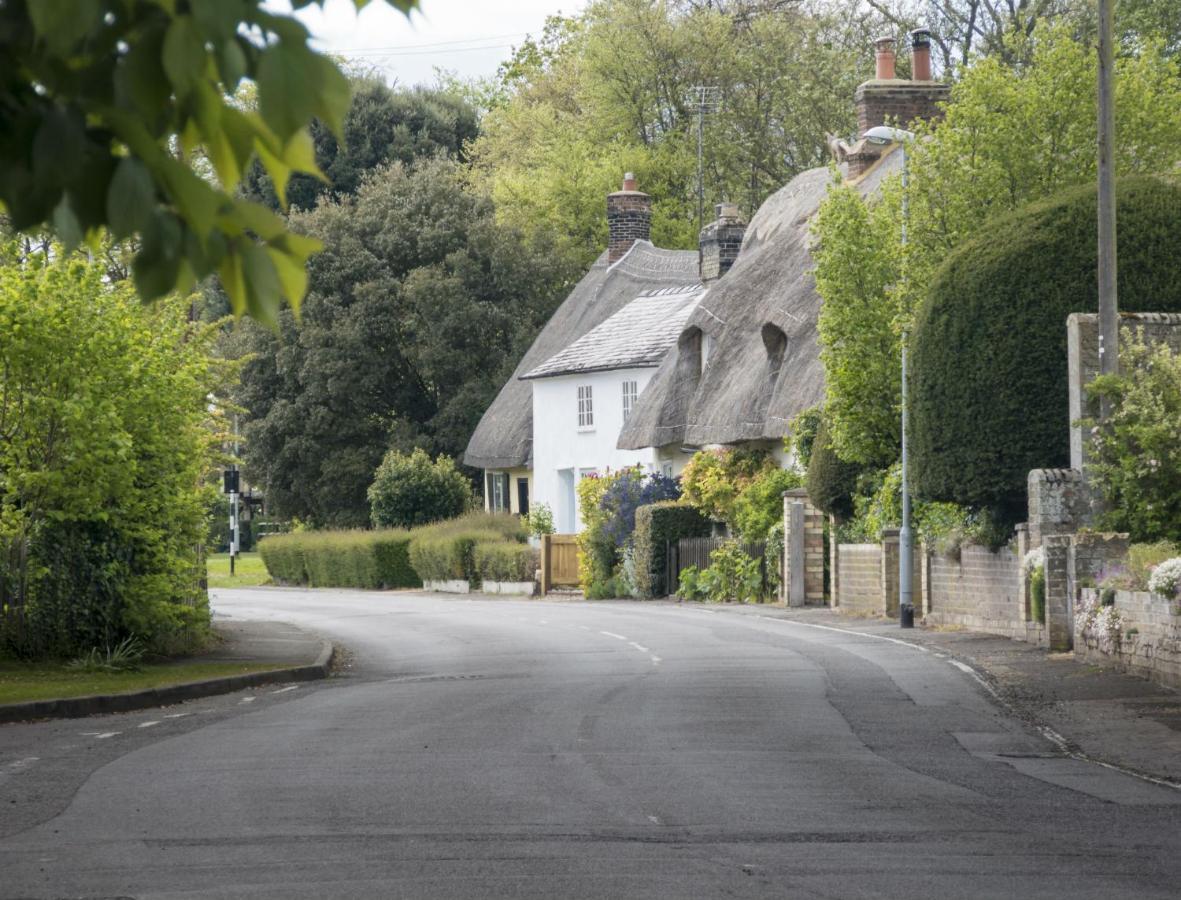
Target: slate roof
(504, 437)
(636, 337)
(745, 393)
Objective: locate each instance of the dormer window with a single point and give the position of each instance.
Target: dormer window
(775, 343)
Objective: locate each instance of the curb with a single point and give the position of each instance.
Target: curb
(98, 704)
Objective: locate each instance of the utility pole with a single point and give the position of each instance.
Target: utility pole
(1108, 301)
(234, 488)
(707, 99)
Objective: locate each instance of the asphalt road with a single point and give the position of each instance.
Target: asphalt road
(493, 748)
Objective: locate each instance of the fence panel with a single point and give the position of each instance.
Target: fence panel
(559, 561)
(698, 552)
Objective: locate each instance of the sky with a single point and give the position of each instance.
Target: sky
(469, 37)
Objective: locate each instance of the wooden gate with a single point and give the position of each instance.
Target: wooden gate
(559, 561)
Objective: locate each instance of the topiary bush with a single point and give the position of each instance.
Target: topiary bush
(409, 490)
(656, 525)
(831, 482)
(989, 382)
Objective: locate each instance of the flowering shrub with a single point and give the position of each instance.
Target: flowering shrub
(1034, 559)
(1166, 578)
(540, 520)
(1098, 624)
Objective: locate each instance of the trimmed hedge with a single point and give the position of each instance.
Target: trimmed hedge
(831, 482)
(989, 383)
(505, 561)
(448, 550)
(656, 525)
(356, 559)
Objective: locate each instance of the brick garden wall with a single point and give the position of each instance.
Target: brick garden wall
(1149, 642)
(860, 577)
(981, 590)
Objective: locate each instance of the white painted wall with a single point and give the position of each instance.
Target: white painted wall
(563, 453)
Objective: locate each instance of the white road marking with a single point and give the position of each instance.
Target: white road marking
(177, 715)
(654, 820)
(147, 724)
(543, 621)
(100, 734)
(655, 660)
(876, 637)
(584, 628)
(18, 766)
(639, 647)
(247, 700)
(294, 687)
(618, 637)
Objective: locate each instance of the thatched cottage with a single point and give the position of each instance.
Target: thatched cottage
(745, 360)
(759, 323)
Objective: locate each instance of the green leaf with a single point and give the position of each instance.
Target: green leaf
(293, 275)
(184, 55)
(231, 64)
(289, 83)
(263, 291)
(157, 265)
(331, 102)
(140, 81)
(61, 24)
(277, 168)
(131, 198)
(65, 225)
(58, 146)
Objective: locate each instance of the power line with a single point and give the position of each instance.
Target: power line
(708, 100)
(399, 48)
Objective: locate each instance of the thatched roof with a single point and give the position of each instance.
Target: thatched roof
(504, 437)
(636, 337)
(764, 364)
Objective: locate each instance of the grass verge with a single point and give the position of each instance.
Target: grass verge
(23, 682)
(248, 571)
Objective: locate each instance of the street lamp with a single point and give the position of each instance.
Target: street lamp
(883, 134)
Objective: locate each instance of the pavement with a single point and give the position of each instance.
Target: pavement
(297, 654)
(1097, 712)
(528, 748)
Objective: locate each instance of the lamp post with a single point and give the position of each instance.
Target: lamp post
(883, 134)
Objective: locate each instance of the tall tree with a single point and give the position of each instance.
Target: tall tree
(381, 126)
(614, 89)
(418, 308)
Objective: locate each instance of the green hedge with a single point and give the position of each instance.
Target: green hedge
(831, 482)
(989, 383)
(656, 525)
(356, 559)
(447, 550)
(504, 561)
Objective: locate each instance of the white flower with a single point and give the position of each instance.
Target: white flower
(1166, 578)
(1034, 559)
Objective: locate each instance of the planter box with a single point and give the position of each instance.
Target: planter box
(519, 588)
(454, 586)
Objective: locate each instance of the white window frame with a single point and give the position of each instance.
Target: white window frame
(586, 408)
(630, 395)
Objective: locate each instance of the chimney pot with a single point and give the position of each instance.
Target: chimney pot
(720, 242)
(920, 55)
(884, 53)
(629, 219)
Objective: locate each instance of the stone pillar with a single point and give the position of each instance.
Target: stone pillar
(1058, 598)
(923, 580)
(890, 560)
(1022, 579)
(1059, 503)
(812, 528)
(834, 581)
(793, 552)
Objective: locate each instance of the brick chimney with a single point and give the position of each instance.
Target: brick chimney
(720, 242)
(894, 101)
(629, 218)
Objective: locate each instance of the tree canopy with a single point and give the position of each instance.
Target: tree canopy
(103, 102)
(614, 89)
(418, 309)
